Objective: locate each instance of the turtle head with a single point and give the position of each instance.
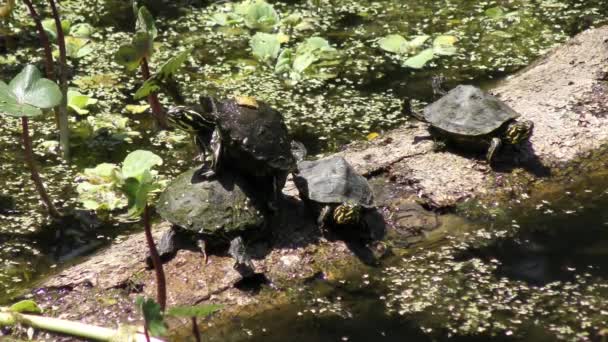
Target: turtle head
(190, 119)
(347, 213)
(518, 131)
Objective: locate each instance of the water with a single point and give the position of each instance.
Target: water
(545, 251)
(537, 273)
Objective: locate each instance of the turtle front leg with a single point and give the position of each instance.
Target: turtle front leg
(495, 145)
(202, 245)
(242, 259)
(216, 149)
(324, 218)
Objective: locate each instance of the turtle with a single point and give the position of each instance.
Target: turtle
(334, 189)
(243, 135)
(471, 118)
(215, 213)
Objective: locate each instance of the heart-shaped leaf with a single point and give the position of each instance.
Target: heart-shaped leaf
(145, 22)
(419, 61)
(265, 46)
(79, 102)
(138, 162)
(167, 70)
(394, 43)
(131, 55)
(444, 45)
(27, 93)
(152, 315)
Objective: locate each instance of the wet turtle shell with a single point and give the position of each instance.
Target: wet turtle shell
(219, 208)
(332, 181)
(252, 129)
(468, 111)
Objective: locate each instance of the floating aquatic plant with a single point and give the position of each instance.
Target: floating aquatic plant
(408, 51)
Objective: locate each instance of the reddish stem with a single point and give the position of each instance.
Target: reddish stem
(161, 288)
(44, 40)
(29, 159)
(195, 331)
(146, 333)
(155, 106)
(64, 132)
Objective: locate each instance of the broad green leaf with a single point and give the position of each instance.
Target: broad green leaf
(145, 22)
(77, 47)
(143, 44)
(25, 306)
(444, 45)
(100, 197)
(27, 93)
(104, 173)
(51, 29)
(136, 109)
(82, 30)
(494, 12)
(174, 63)
(419, 61)
(394, 43)
(152, 315)
(284, 62)
(29, 87)
(150, 86)
(138, 162)
(417, 42)
(167, 70)
(79, 102)
(265, 46)
(303, 60)
(258, 15)
(199, 311)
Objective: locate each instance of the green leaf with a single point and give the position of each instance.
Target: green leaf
(145, 22)
(265, 46)
(26, 306)
(152, 315)
(79, 102)
(258, 15)
(199, 311)
(394, 43)
(444, 45)
(417, 42)
(150, 86)
(51, 29)
(130, 56)
(77, 47)
(27, 93)
(29, 87)
(494, 12)
(136, 109)
(419, 61)
(284, 62)
(82, 30)
(167, 70)
(138, 162)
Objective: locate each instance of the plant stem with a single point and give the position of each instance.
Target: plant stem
(195, 331)
(161, 289)
(66, 327)
(44, 40)
(157, 109)
(64, 131)
(29, 159)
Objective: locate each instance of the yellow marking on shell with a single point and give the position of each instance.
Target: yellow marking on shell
(247, 101)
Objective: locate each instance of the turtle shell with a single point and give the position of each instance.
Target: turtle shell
(332, 180)
(469, 111)
(257, 129)
(212, 207)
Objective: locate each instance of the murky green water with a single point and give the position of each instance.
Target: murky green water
(538, 274)
(495, 281)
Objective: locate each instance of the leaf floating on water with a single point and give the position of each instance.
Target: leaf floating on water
(419, 60)
(136, 109)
